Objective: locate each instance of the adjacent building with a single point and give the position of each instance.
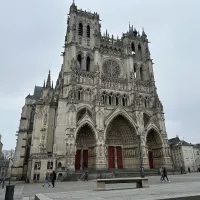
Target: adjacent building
(104, 98)
(184, 154)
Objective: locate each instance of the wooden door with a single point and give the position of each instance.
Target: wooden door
(111, 157)
(78, 159)
(119, 157)
(85, 158)
(150, 159)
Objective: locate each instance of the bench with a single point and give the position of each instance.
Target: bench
(140, 182)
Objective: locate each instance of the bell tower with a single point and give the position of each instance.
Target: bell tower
(83, 36)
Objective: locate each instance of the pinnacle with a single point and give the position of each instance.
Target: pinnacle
(49, 80)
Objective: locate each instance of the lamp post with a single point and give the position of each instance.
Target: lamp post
(140, 157)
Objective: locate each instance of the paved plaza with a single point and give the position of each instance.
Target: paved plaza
(188, 184)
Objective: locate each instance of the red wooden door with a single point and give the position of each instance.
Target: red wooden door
(111, 157)
(78, 159)
(85, 158)
(119, 157)
(150, 159)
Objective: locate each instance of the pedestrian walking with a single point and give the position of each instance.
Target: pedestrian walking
(165, 174)
(161, 174)
(181, 170)
(46, 180)
(53, 179)
(86, 176)
(189, 169)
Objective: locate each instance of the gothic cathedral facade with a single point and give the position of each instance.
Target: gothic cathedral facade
(104, 98)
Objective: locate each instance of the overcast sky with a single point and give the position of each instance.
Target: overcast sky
(32, 35)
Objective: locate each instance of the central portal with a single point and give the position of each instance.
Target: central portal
(121, 141)
(85, 143)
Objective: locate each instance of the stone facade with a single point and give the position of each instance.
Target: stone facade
(105, 96)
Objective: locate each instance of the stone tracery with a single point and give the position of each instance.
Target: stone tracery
(111, 68)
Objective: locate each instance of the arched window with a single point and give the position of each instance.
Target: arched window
(141, 74)
(134, 69)
(88, 31)
(88, 64)
(79, 62)
(124, 101)
(59, 164)
(117, 100)
(133, 48)
(110, 100)
(146, 102)
(139, 51)
(79, 93)
(80, 29)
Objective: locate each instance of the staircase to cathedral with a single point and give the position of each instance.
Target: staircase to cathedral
(110, 173)
(106, 173)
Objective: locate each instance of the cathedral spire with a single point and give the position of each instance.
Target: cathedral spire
(44, 84)
(48, 85)
(73, 7)
(52, 85)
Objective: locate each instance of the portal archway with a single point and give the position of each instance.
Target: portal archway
(154, 148)
(85, 148)
(121, 143)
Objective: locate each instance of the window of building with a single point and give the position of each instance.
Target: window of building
(197, 152)
(36, 177)
(110, 100)
(141, 74)
(80, 29)
(146, 102)
(88, 31)
(134, 69)
(37, 166)
(59, 164)
(124, 101)
(133, 48)
(88, 64)
(139, 52)
(79, 62)
(50, 165)
(117, 100)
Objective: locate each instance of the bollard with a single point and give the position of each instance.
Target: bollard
(9, 192)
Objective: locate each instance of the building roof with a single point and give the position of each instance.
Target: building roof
(176, 142)
(37, 93)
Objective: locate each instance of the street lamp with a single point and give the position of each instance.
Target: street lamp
(141, 157)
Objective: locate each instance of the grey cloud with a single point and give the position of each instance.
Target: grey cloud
(32, 35)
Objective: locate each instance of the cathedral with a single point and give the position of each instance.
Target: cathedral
(103, 107)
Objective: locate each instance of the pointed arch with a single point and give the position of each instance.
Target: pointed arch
(82, 111)
(155, 130)
(117, 113)
(80, 29)
(88, 31)
(86, 123)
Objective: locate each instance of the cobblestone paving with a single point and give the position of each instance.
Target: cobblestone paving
(165, 190)
(180, 184)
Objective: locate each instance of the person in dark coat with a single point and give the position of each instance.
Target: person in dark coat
(165, 174)
(53, 179)
(86, 176)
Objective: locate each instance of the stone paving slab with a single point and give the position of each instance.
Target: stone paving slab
(155, 192)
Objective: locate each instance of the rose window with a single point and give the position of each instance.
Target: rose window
(111, 68)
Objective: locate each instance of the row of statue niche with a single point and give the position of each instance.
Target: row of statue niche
(158, 153)
(130, 153)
